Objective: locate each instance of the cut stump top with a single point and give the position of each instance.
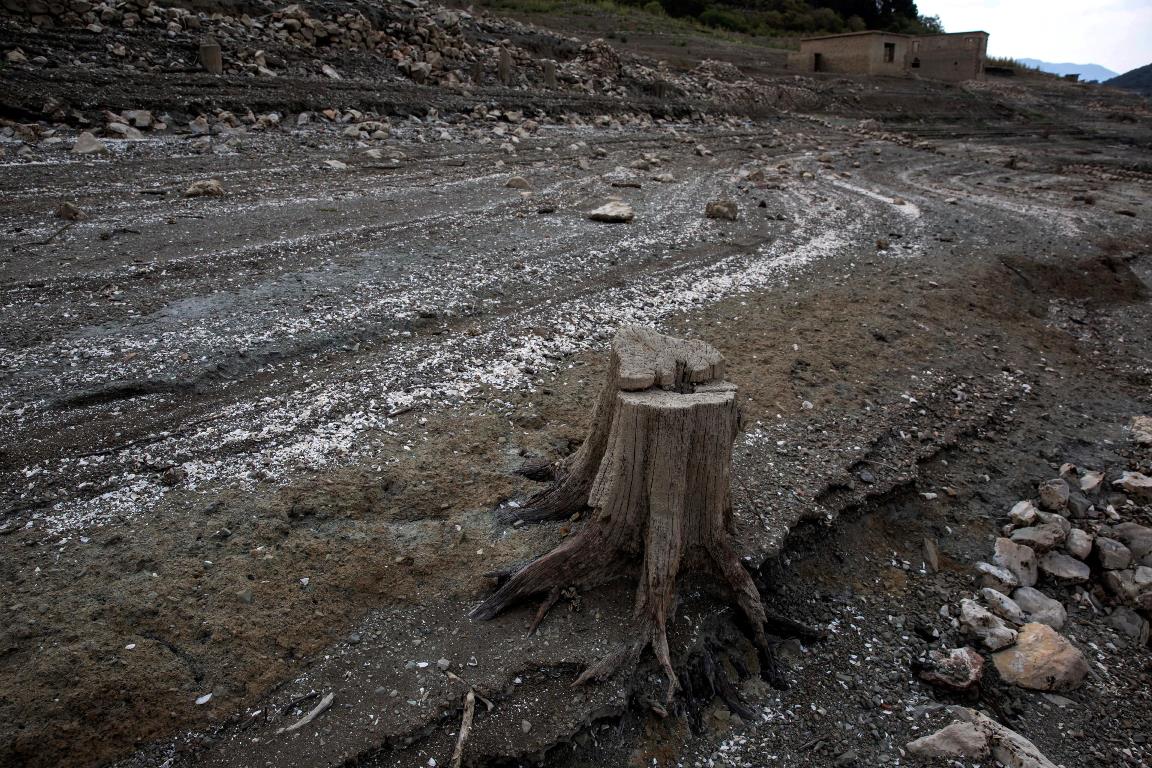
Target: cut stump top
(649, 359)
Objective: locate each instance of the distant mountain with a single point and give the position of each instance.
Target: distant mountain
(1086, 71)
(1139, 80)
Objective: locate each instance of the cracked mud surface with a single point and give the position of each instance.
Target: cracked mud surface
(251, 444)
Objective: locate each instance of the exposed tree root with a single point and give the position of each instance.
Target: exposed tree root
(655, 470)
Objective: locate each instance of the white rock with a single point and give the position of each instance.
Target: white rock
(1020, 559)
(1023, 513)
(995, 577)
(1063, 569)
(614, 211)
(981, 624)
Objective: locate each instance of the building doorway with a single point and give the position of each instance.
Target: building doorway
(817, 62)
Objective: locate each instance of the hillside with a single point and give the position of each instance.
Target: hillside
(1086, 71)
(1139, 80)
(762, 18)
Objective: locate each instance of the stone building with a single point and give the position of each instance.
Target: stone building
(954, 56)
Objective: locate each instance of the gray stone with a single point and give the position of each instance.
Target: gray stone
(955, 740)
(87, 144)
(1063, 569)
(997, 578)
(1132, 587)
(1078, 544)
(1137, 538)
(1040, 538)
(1040, 608)
(1018, 558)
(986, 627)
(722, 209)
(1002, 605)
(1129, 624)
(1136, 484)
(614, 211)
(1054, 495)
(1113, 555)
(443, 665)
(518, 182)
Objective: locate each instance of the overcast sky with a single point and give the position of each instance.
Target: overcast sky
(1116, 34)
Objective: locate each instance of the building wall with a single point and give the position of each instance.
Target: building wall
(955, 57)
(854, 54)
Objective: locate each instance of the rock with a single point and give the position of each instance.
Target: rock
(1056, 521)
(989, 629)
(1040, 538)
(525, 726)
(70, 212)
(1091, 482)
(351, 132)
(330, 72)
(1129, 624)
(1008, 747)
(664, 178)
(1133, 586)
(1054, 495)
(1039, 608)
(335, 165)
(614, 211)
(205, 188)
(124, 131)
(1002, 605)
(958, 669)
(931, 555)
(1042, 660)
(1078, 505)
(1113, 555)
(87, 144)
(995, 577)
(1142, 429)
(1022, 514)
(1064, 569)
(518, 182)
(140, 118)
(1137, 538)
(703, 151)
(1136, 484)
(722, 209)
(443, 665)
(15, 56)
(1078, 544)
(1020, 559)
(955, 740)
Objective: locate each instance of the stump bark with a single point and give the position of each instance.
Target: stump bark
(655, 471)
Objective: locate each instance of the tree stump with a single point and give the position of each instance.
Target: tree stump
(655, 471)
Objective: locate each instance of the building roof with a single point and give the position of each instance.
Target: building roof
(857, 34)
(891, 34)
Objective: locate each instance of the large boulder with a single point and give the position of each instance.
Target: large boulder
(1003, 606)
(1042, 660)
(87, 144)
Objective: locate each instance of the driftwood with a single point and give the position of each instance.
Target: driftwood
(655, 471)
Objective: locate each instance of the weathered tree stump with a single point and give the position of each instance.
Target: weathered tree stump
(655, 471)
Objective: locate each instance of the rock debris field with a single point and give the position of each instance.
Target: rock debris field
(276, 345)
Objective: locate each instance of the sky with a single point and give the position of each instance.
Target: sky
(1116, 34)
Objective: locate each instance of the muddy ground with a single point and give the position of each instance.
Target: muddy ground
(252, 444)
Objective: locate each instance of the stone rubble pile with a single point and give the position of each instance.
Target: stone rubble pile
(1079, 539)
(420, 41)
